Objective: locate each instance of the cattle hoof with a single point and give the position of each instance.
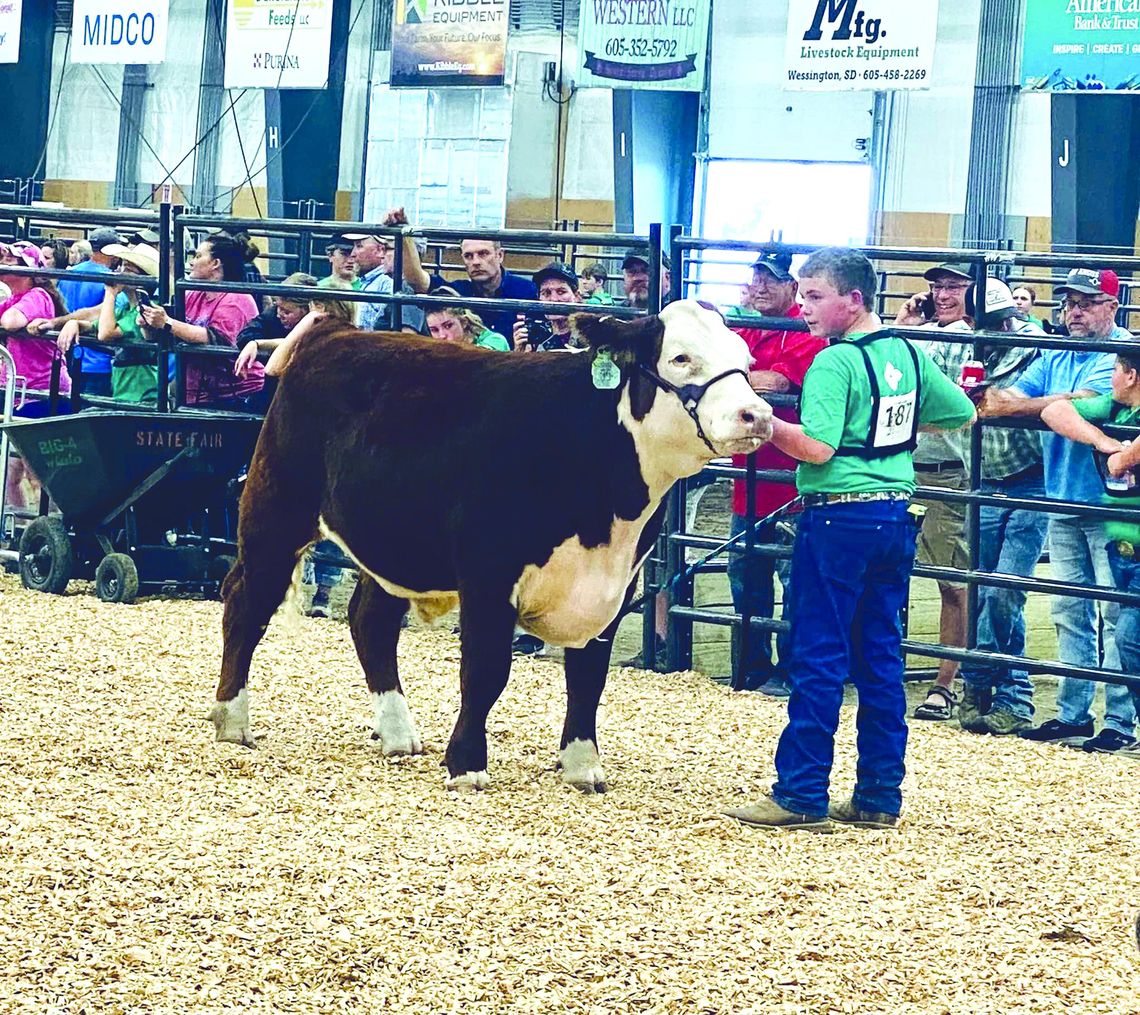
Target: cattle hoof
(582, 768)
(468, 782)
(395, 728)
(231, 721)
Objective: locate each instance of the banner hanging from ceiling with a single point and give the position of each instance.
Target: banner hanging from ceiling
(1081, 45)
(119, 31)
(852, 45)
(278, 43)
(654, 44)
(437, 43)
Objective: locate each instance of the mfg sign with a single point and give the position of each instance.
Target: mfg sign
(119, 31)
(854, 45)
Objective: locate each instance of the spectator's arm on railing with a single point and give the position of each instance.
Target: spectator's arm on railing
(1012, 402)
(108, 327)
(769, 382)
(44, 325)
(1062, 418)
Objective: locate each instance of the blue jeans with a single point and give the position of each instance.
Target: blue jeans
(762, 602)
(852, 564)
(318, 572)
(1126, 572)
(1078, 555)
(1009, 542)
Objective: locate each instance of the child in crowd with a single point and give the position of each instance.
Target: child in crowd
(1077, 420)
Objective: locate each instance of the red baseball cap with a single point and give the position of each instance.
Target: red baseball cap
(1090, 282)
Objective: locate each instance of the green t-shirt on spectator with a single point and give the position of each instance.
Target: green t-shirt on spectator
(134, 371)
(835, 408)
(489, 339)
(1104, 409)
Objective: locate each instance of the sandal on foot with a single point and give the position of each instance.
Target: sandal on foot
(934, 712)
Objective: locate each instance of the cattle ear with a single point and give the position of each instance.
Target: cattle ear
(629, 342)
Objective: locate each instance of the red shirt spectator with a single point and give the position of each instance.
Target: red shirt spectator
(788, 353)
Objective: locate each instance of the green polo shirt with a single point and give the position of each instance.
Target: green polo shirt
(1103, 409)
(836, 409)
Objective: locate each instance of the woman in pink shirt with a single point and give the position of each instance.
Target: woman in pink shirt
(213, 319)
(31, 299)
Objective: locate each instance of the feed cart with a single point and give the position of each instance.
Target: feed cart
(145, 500)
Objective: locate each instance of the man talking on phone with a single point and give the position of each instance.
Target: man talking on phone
(939, 460)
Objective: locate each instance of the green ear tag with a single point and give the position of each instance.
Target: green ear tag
(604, 371)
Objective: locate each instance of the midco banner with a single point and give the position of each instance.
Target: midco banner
(278, 43)
(448, 42)
(1088, 45)
(657, 44)
(119, 31)
(848, 45)
(10, 11)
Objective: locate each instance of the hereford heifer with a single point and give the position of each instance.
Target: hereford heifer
(521, 487)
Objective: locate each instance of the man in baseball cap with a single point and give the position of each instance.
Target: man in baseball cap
(779, 266)
(556, 282)
(635, 277)
(1077, 545)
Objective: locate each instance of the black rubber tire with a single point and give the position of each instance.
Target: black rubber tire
(117, 579)
(45, 556)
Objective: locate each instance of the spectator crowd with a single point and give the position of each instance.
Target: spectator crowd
(108, 334)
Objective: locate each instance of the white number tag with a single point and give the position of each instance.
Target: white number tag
(895, 422)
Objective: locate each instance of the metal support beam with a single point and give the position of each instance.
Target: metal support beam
(136, 80)
(211, 93)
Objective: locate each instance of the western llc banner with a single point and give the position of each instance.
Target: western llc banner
(850, 45)
(1081, 45)
(448, 42)
(657, 44)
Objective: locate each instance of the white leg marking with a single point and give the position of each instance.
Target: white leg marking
(582, 768)
(394, 726)
(469, 782)
(231, 720)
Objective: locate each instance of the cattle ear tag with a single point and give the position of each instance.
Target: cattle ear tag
(604, 371)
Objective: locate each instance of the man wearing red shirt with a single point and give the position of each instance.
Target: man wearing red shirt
(780, 359)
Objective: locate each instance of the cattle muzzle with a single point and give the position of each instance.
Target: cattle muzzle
(691, 395)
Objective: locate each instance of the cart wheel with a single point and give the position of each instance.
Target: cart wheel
(45, 556)
(117, 579)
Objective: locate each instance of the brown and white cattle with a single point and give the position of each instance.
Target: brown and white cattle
(513, 485)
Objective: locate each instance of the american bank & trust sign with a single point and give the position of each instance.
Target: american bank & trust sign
(851, 45)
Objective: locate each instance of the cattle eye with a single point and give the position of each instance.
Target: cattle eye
(680, 361)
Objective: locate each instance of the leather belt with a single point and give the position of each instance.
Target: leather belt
(828, 499)
(951, 466)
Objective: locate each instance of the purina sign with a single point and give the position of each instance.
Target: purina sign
(278, 43)
(119, 31)
(854, 45)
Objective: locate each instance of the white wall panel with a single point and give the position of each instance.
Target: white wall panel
(1030, 175)
(752, 117)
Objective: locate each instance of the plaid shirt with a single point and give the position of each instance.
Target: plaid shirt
(1005, 452)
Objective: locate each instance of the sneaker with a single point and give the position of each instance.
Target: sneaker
(1054, 730)
(775, 687)
(973, 707)
(848, 814)
(1108, 741)
(527, 645)
(319, 607)
(769, 814)
(1001, 722)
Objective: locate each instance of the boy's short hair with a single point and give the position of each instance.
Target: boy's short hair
(846, 269)
(1129, 360)
(594, 270)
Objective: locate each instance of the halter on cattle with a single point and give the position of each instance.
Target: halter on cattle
(691, 395)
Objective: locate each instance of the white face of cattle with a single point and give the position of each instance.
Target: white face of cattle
(696, 348)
